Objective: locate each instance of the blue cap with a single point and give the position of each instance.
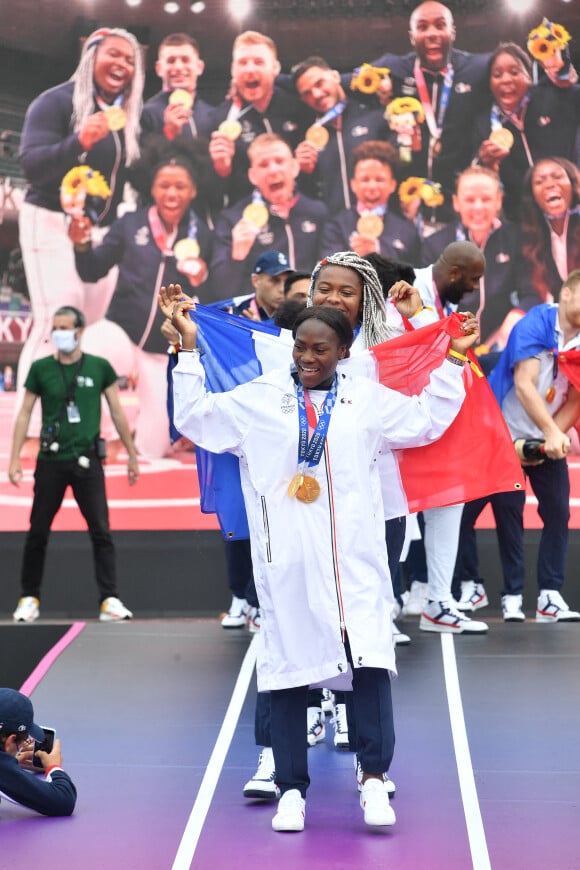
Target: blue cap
(272, 263)
(17, 715)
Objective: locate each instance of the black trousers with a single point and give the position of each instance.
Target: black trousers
(51, 479)
(373, 715)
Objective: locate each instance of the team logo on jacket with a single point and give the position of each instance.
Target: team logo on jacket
(502, 258)
(142, 236)
(398, 245)
(266, 238)
(289, 126)
(543, 121)
(308, 227)
(248, 135)
(288, 403)
(359, 131)
(409, 87)
(462, 88)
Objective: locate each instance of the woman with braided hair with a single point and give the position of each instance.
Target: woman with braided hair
(91, 120)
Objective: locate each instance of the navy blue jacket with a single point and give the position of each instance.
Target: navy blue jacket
(285, 115)
(550, 127)
(142, 271)
(49, 148)
(298, 238)
(200, 123)
(502, 283)
(54, 797)
(399, 239)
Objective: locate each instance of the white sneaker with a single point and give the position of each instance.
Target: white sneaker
(327, 702)
(417, 599)
(374, 801)
(473, 596)
(291, 812)
(315, 727)
(263, 783)
(511, 606)
(340, 723)
(236, 615)
(113, 610)
(27, 609)
(389, 784)
(552, 608)
(253, 620)
(441, 616)
(399, 637)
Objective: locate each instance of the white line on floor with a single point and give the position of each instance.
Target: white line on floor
(474, 822)
(208, 785)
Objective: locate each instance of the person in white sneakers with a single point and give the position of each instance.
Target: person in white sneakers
(540, 404)
(69, 385)
(320, 563)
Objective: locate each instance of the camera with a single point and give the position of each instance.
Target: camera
(46, 745)
(49, 438)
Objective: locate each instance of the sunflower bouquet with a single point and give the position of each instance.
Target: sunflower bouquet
(547, 39)
(83, 192)
(427, 191)
(367, 78)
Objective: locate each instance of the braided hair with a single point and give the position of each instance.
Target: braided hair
(374, 313)
(84, 89)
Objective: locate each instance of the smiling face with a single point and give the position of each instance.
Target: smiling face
(254, 68)
(372, 183)
(509, 81)
(273, 170)
(316, 353)
(478, 202)
(179, 66)
(342, 288)
(432, 34)
(172, 192)
(551, 188)
(319, 88)
(114, 66)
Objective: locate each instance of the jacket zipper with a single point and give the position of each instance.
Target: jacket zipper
(266, 528)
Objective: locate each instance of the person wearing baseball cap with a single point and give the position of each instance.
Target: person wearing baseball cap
(270, 271)
(53, 795)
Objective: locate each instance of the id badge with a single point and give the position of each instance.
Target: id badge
(72, 413)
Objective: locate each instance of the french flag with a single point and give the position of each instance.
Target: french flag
(474, 458)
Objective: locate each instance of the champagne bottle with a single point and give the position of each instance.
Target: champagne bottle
(530, 449)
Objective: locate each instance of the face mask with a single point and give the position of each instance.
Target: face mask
(64, 339)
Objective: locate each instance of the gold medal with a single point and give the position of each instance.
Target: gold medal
(295, 485)
(116, 118)
(550, 394)
(186, 249)
(318, 136)
(370, 225)
(502, 137)
(181, 97)
(256, 213)
(309, 489)
(230, 128)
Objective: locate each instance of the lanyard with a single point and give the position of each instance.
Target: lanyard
(435, 125)
(310, 452)
(163, 240)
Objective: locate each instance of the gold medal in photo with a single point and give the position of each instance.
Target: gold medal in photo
(318, 136)
(186, 249)
(230, 128)
(295, 485)
(116, 118)
(181, 97)
(370, 225)
(503, 137)
(256, 213)
(309, 489)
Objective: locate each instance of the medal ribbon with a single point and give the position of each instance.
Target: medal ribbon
(310, 451)
(435, 126)
(381, 210)
(163, 240)
(516, 118)
(103, 105)
(333, 113)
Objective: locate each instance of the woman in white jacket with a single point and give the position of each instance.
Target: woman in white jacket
(316, 527)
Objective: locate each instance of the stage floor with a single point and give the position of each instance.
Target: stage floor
(156, 719)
